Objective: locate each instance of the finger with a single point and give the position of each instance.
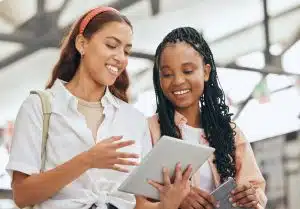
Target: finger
(126, 155)
(196, 205)
(122, 144)
(204, 203)
(178, 173)
(118, 168)
(246, 199)
(238, 196)
(241, 188)
(156, 185)
(187, 173)
(125, 162)
(112, 139)
(251, 204)
(166, 176)
(207, 197)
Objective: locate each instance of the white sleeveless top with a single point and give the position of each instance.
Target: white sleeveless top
(196, 136)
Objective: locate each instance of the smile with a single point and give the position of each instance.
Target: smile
(181, 92)
(112, 69)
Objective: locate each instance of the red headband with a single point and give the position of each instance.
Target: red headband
(91, 14)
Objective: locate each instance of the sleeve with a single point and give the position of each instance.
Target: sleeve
(25, 154)
(247, 168)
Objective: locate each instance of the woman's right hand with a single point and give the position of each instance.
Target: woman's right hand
(105, 154)
(199, 199)
(172, 193)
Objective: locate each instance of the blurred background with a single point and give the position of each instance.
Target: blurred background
(256, 44)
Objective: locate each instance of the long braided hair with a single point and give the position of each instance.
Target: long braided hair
(215, 116)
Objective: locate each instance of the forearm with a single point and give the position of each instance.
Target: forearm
(37, 188)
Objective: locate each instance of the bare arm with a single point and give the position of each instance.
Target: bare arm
(34, 189)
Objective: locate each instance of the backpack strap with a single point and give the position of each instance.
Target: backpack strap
(46, 108)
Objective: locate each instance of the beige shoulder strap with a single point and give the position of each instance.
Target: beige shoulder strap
(46, 108)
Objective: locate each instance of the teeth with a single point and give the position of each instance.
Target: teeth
(113, 69)
(181, 92)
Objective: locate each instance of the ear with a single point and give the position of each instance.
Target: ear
(81, 44)
(207, 69)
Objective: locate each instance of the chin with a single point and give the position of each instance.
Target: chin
(106, 82)
(182, 105)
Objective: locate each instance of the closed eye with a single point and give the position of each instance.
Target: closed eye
(127, 53)
(111, 46)
(188, 71)
(166, 75)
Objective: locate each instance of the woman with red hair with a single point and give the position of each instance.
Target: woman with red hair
(95, 137)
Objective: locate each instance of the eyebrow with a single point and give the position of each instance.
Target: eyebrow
(183, 64)
(188, 63)
(118, 40)
(164, 67)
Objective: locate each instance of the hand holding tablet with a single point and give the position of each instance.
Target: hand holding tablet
(166, 153)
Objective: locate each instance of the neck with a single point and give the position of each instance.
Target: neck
(83, 87)
(192, 114)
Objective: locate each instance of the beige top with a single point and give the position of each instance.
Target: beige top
(93, 113)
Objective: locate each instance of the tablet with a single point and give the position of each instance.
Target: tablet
(166, 153)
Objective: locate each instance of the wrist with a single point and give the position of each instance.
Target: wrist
(86, 160)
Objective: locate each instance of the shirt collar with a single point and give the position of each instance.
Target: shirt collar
(109, 99)
(179, 119)
(65, 97)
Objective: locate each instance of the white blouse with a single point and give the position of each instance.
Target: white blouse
(69, 136)
(196, 136)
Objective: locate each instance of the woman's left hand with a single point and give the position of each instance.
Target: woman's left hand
(244, 196)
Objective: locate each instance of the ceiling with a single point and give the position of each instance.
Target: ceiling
(239, 32)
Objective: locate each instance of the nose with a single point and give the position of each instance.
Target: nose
(178, 79)
(120, 57)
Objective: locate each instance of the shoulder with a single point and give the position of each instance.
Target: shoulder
(153, 121)
(31, 105)
(131, 114)
(29, 115)
(239, 136)
(154, 128)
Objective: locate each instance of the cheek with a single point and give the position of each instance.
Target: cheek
(164, 84)
(125, 63)
(198, 87)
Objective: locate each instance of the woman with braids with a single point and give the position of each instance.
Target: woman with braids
(85, 158)
(191, 106)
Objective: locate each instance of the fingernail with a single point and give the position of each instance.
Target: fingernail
(230, 199)
(164, 169)
(218, 204)
(232, 192)
(234, 205)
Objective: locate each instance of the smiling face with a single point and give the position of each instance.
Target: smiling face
(182, 74)
(105, 54)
